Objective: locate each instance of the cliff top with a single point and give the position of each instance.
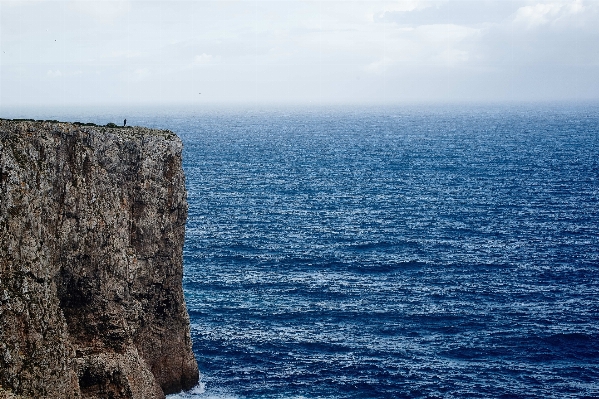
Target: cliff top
(10, 124)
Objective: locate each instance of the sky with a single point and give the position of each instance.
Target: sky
(319, 52)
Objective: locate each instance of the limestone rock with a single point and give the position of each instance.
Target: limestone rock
(92, 223)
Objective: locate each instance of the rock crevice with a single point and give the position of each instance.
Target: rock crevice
(92, 223)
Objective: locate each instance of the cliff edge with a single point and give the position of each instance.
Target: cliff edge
(92, 223)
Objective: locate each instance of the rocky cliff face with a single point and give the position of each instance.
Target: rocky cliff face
(92, 223)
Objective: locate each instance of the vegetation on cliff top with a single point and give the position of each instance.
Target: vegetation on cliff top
(110, 124)
(127, 130)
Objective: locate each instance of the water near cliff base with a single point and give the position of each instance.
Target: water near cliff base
(396, 252)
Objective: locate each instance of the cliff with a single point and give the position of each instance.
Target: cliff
(92, 223)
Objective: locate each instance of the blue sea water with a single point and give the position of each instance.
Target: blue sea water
(388, 253)
(394, 252)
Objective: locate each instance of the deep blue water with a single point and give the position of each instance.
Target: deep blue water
(417, 252)
(394, 253)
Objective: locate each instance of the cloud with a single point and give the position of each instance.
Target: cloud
(463, 12)
(379, 66)
(203, 59)
(102, 11)
(440, 45)
(452, 57)
(397, 7)
(545, 13)
(141, 74)
(17, 3)
(445, 33)
(482, 46)
(53, 74)
(125, 54)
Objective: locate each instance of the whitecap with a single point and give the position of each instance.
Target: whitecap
(199, 392)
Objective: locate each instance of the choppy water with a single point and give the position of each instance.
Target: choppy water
(394, 253)
(388, 253)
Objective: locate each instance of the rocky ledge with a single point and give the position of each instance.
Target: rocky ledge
(92, 222)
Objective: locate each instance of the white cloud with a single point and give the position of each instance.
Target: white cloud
(445, 45)
(396, 6)
(203, 59)
(446, 33)
(17, 3)
(379, 66)
(453, 57)
(141, 74)
(54, 74)
(125, 54)
(103, 11)
(544, 13)
(336, 48)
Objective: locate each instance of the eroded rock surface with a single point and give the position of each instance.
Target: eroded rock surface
(92, 223)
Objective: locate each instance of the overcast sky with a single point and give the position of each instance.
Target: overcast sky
(129, 52)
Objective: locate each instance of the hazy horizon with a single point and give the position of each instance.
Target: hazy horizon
(133, 53)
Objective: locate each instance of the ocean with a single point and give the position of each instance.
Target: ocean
(390, 252)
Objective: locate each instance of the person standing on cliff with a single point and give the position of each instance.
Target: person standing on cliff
(125, 123)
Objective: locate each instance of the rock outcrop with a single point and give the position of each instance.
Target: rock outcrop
(92, 222)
